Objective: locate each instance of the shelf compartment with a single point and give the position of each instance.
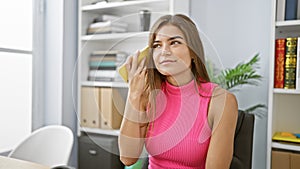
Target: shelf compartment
(286, 146)
(113, 36)
(288, 28)
(286, 113)
(104, 84)
(100, 131)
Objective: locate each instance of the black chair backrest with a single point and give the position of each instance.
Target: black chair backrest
(243, 141)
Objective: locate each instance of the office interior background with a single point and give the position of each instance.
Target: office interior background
(38, 58)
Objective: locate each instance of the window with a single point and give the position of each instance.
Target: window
(15, 71)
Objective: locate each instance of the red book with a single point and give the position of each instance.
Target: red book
(279, 63)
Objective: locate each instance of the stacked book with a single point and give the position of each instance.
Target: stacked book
(103, 65)
(287, 63)
(107, 24)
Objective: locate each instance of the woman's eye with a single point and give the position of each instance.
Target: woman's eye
(175, 42)
(156, 45)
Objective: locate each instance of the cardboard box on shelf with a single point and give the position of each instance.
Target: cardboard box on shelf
(280, 160)
(285, 159)
(90, 112)
(101, 108)
(295, 161)
(112, 107)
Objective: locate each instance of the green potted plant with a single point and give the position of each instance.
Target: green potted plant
(233, 78)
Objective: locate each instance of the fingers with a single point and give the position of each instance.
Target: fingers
(131, 62)
(128, 63)
(132, 65)
(135, 60)
(141, 66)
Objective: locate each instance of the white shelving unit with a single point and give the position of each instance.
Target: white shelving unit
(104, 84)
(293, 23)
(116, 36)
(284, 104)
(285, 146)
(128, 42)
(128, 7)
(100, 131)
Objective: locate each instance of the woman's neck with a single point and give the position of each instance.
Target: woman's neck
(180, 80)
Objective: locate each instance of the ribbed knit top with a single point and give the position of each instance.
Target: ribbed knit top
(179, 136)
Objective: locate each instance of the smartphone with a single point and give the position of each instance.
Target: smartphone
(122, 69)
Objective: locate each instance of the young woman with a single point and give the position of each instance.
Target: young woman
(182, 119)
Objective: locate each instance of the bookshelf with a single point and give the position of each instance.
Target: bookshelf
(129, 41)
(283, 104)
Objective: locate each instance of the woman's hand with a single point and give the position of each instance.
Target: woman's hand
(136, 100)
(136, 75)
(134, 124)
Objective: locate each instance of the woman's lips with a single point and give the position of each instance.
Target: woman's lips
(167, 61)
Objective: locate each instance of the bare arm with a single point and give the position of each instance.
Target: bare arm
(132, 134)
(220, 150)
(134, 124)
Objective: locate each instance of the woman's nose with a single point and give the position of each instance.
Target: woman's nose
(166, 50)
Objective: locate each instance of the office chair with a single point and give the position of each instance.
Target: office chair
(50, 146)
(243, 142)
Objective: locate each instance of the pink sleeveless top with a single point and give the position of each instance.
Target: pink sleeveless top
(179, 136)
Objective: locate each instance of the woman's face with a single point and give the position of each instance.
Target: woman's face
(171, 54)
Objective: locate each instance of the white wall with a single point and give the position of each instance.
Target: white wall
(54, 66)
(238, 30)
(53, 61)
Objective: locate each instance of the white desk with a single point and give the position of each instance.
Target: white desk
(11, 163)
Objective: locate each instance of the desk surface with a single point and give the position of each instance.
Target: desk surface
(10, 163)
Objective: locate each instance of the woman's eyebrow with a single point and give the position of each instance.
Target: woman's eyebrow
(175, 37)
(171, 38)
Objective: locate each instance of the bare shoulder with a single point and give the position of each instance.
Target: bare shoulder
(222, 95)
(231, 100)
(223, 105)
(231, 108)
(231, 104)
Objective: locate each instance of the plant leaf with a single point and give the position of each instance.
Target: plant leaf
(241, 74)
